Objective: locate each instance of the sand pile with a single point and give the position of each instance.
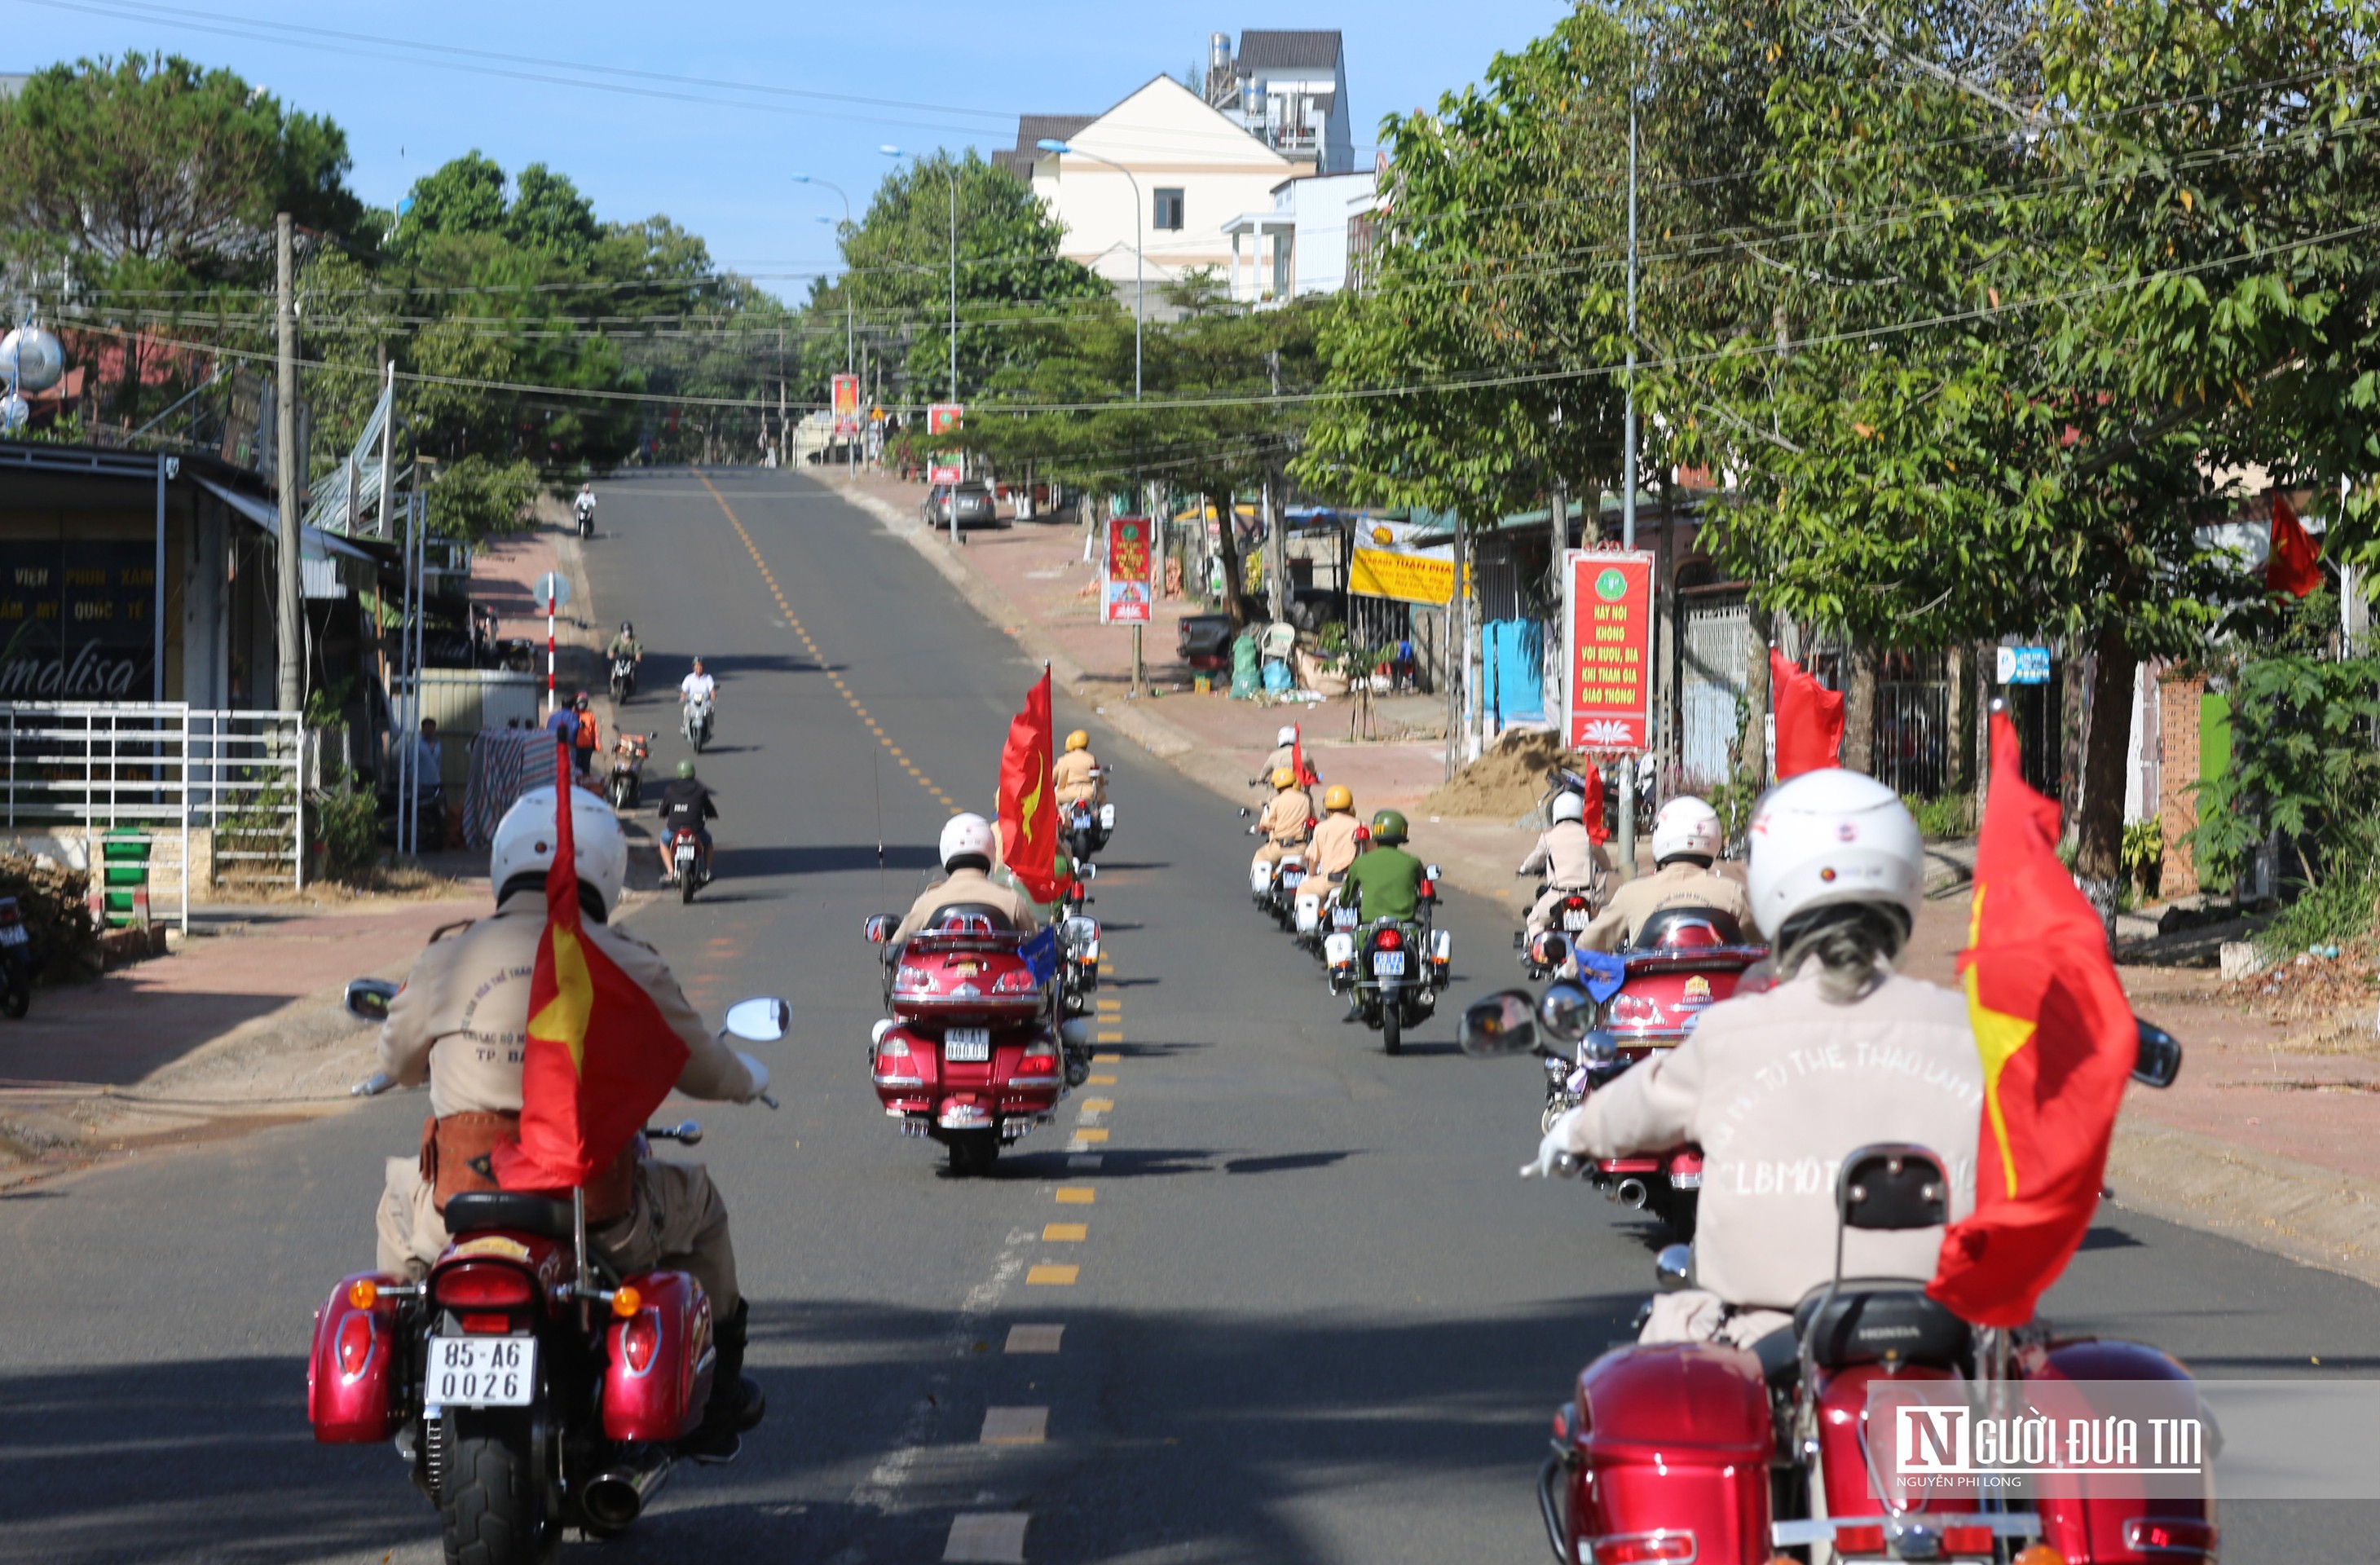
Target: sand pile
(1504, 784)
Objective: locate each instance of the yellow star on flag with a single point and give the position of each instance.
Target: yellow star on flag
(564, 1019)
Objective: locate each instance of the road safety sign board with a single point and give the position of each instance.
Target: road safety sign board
(1127, 593)
(1608, 645)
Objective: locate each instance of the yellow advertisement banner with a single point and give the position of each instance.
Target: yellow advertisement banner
(1410, 578)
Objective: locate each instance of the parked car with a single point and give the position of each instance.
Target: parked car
(976, 508)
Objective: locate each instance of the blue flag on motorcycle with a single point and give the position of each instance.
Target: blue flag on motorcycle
(1602, 973)
(1040, 953)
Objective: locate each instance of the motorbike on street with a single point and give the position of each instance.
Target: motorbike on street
(624, 786)
(974, 1053)
(1570, 919)
(1703, 1451)
(1394, 968)
(624, 679)
(1085, 826)
(689, 861)
(528, 1387)
(585, 513)
(694, 722)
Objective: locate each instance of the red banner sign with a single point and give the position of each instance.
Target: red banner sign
(941, 418)
(1126, 596)
(946, 472)
(1608, 643)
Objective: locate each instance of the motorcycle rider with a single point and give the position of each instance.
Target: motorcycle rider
(625, 645)
(1072, 773)
(1779, 1084)
(583, 508)
(688, 804)
(1384, 881)
(1284, 754)
(1286, 818)
(1685, 840)
(1568, 857)
(698, 683)
(462, 1021)
(967, 851)
(1336, 835)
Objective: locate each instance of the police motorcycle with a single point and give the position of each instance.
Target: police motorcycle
(1085, 825)
(1394, 968)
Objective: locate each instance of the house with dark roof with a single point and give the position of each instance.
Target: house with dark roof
(1288, 91)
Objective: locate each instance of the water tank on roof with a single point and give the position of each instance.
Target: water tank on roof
(31, 358)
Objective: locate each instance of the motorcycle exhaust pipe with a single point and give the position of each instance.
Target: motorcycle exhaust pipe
(614, 1499)
(1629, 1192)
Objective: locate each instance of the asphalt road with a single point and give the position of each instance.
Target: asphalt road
(1314, 1317)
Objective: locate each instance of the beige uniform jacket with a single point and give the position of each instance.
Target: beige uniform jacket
(462, 1017)
(1286, 816)
(970, 885)
(1568, 857)
(1778, 1089)
(1286, 755)
(1071, 775)
(1333, 848)
(1678, 885)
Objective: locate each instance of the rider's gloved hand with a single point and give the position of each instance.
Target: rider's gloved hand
(759, 1077)
(1554, 1147)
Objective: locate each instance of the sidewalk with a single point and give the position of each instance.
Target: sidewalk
(2271, 1136)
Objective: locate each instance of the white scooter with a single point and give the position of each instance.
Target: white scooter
(697, 721)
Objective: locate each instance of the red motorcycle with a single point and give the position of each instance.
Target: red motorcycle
(691, 864)
(1701, 1452)
(975, 1054)
(528, 1387)
(1634, 1002)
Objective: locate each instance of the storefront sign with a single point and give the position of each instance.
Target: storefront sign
(2024, 666)
(1409, 578)
(946, 472)
(1608, 650)
(1127, 594)
(75, 620)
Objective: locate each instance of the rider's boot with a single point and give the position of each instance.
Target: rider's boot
(736, 1400)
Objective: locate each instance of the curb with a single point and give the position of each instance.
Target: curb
(2316, 1216)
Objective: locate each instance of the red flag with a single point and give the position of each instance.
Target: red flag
(601, 1058)
(1809, 719)
(2294, 563)
(2057, 1041)
(1028, 807)
(1306, 776)
(1596, 832)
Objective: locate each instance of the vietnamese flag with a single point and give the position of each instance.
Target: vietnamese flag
(600, 1057)
(1028, 807)
(1809, 719)
(1306, 776)
(1596, 832)
(2294, 563)
(2058, 1041)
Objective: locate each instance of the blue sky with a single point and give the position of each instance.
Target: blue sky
(720, 166)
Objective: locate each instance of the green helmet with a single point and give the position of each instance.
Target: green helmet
(686, 769)
(1389, 825)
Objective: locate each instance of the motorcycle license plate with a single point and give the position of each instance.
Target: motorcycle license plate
(1293, 877)
(13, 934)
(1388, 964)
(481, 1372)
(1342, 917)
(967, 1046)
(1577, 920)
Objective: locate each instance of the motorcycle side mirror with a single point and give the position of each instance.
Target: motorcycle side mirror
(1673, 1265)
(879, 928)
(1432, 871)
(763, 1020)
(2159, 1059)
(1567, 1012)
(368, 999)
(1087, 872)
(1501, 1024)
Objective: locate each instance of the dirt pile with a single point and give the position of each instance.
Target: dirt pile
(2311, 984)
(1504, 784)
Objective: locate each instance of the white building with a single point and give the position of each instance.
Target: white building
(1288, 91)
(1300, 244)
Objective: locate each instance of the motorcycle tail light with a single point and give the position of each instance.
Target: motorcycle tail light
(1643, 1548)
(1390, 939)
(482, 1286)
(1967, 1540)
(892, 1049)
(911, 978)
(1859, 1540)
(1019, 982)
(2159, 1534)
(486, 1324)
(640, 1339)
(355, 1335)
(1429, 887)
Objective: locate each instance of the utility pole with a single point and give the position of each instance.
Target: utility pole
(1628, 484)
(291, 695)
(1276, 528)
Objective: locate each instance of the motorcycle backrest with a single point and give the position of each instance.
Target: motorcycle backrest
(475, 1210)
(1675, 927)
(971, 919)
(1893, 1187)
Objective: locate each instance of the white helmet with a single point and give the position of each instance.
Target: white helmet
(525, 840)
(1685, 826)
(1569, 806)
(1830, 837)
(1286, 736)
(964, 835)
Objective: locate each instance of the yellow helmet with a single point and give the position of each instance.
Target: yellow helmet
(1338, 796)
(1078, 740)
(1283, 777)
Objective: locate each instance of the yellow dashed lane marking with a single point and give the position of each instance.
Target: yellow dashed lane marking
(1052, 1276)
(809, 646)
(1098, 1081)
(1066, 1232)
(1097, 1105)
(1076, 1196)
(1090, 1138)
(1109, 1037)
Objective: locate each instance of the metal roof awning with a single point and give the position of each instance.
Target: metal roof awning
(313, 543)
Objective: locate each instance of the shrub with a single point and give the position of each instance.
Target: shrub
(1944, 816)
(347, 822)
(475, 497)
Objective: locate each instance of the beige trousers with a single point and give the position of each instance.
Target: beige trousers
(1695, 1314)
(678, 1221)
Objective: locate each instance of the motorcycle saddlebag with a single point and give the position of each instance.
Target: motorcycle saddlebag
(1674, 1438)
(661, 1358)
(347, 1389)
(2111, 1522)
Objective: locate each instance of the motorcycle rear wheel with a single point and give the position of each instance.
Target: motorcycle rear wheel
(488, 1490)
(685, 879)
(1391, 1029)
(973, 1152)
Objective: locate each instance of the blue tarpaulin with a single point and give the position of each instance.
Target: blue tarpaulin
(1514, 655)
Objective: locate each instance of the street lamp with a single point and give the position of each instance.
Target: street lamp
(849, 366)
(1139, 312)
(1139, 287)
(951, 171)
